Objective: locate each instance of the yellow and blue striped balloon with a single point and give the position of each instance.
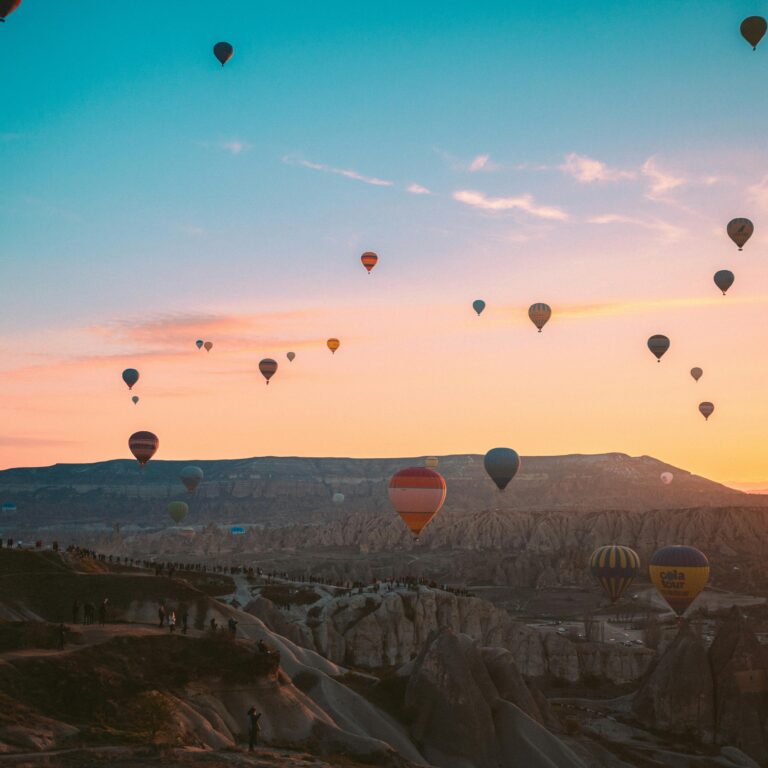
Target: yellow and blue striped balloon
(615, 567)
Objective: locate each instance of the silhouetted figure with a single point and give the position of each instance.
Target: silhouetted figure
(161, 615)
(184, 617)
(213, 624)
(75, 611)
(232, 624)
(253, 728)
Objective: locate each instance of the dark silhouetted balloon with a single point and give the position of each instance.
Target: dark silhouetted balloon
(369, 260)
(199, 343)
(724, 279)
(417, 493)
(740, 230)
(130, 377)
(7, 7)
(478, 305)
(177, 510)
(291, 356)
(143, 446)
(753, 29)
(223, 52)
(135, 399)
(333, 345)
(697, 373)
(615, 567)
(502, 465)
(706, 410)
(208, 346)
(679, 574)
(658, 344)
(268, 368)
(539, 314)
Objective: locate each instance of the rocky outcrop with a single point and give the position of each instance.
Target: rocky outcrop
(465, 705)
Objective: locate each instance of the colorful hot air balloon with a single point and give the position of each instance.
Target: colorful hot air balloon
(417, 493)
(615, 567)
(333, 345)
(9, 507)
(478, 305)
(724, 279)
(740, 230)
(706, 410)
(338, 498)
(177, 510)
(431, 462)
(539, 314)
(143, 446)
(753, 29)
(223, 52)
(208, 346)
(658, 344)
(199, 343)
(191, 477)
(7, 7)
(268, 368)
(697, 373)
(667, 477)
(135, 399)
(291, 356)
(502, 465)
(679, 573)
(130, 377)
(369, 259)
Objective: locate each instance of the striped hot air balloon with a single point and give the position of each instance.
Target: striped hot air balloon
(679, 573)
(333, 345)
(740, 230)
(539, 314)
(143, 446)
(417, 493)
(615, 567)
(658, 344)
(369, 260)
(7, 7)
(268, 368)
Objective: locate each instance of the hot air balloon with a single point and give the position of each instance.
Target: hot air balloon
(177, 510)
(191, 477)
(291, 356)
(223, 52)
(237, 530)
(135, 399)
(199, 343)
(752, 30)
(502, 465)
(333, 345)
(478, 305)
(9, 507)
(268, 368)
(143, 446)
(679, 573)
(740, 230)
(130, 377)
(667, 477)
(208, 346)
(706, 410)
(369, 259)
(724, 279)
(539, 314)
(658, 344)
(615, 567)
(431, 462)
(7, 7)
(417, 493)
(697, 373)
(338, 498)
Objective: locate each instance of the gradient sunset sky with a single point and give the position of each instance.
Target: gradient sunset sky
(587, 155)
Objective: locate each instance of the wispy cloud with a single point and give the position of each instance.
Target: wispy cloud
(660, 182)
(417, 189)
(664, 228)
(588, 170)
(482, 163)
(346, 172)
(234, 146)
(523, 203)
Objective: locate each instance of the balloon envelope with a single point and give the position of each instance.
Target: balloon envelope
(679, 573)
(9, 506)
(724, 279)
(268, 368)
(177, 510)
(502, 465)
(753, 29)
(667, 477)
(369, 260)
(208, 346)
(740, 230)
(130, 377)
(191, 477)
(417, 493)
(7, 7)
(539, 314)
(291, 356)
(706, 409)
(143, 446)
(697, 373)
(199, 343)
(338, 498)
(431, 462)
(223, 52)
(478, 305)
(333, 345)
(658, 344)
(615, 567)
(237, 530)
(135, 399)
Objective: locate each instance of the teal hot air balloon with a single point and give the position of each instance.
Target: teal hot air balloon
(658, 345)
(724, 279)
(615, 567)
(130, 377)
(199, 343)
(478, 305)
(502, 465)
(191, 477)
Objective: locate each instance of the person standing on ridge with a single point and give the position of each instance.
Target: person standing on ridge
(161, 615)
(253, 728)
